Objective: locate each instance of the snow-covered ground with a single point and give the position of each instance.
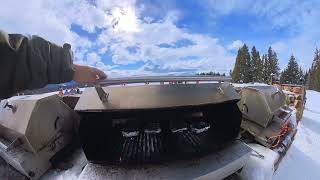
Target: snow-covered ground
(259, 168)
(302, 161)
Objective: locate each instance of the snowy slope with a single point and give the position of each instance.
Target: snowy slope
(302, 160)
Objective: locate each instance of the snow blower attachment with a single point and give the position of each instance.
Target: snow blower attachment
(32, 130)
(266, 117)
(145, 124)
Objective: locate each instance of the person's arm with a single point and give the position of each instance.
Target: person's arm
(30, 63)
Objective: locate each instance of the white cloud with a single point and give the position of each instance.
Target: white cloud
(211, 55)
(279, 13)
(109, 4)
(235, 45)
(93, 58)
(299, 19)
(45, 19)
(218, 7)
(279, 46)
(125, 20)
(122, 27)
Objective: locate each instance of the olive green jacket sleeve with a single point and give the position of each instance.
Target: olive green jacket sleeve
(31, 62)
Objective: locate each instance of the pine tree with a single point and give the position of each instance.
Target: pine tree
(292, 74)
(301, 76)
(256, 66)
(268, 68)
(260, 70)
(236, 73)
(316, 79)
(263, 58)
(247, 67)
(314, 72)
(271, 65)
(242, 70)
(305, 78)
(317, 76)
(265, 71)
(274, 65)
(308, 83)
(311, 79)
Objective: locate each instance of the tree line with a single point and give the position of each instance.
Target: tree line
(313, 77)
(211, 73)
(251, 67)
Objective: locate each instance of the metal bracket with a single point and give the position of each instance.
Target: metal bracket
(12, 107)
(245, 108)
(275, 93)
(220, 91)
(7, 145)
(102, 95)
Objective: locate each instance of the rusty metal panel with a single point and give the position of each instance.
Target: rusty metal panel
(156, 96)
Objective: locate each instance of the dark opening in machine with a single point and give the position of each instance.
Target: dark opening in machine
(155, 135)
(156, 123)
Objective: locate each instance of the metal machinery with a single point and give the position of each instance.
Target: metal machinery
(167, 127)
(261, 103)
(266, 117)
(32, 130)
(139, 126)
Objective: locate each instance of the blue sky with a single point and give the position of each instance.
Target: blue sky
(157, 37)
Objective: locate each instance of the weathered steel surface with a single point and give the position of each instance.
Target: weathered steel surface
(151, 79)
(32, 130)
(260, 103)
(217, 166)
(156, 96)
(36, 119)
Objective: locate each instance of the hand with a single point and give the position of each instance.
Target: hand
(87, 75)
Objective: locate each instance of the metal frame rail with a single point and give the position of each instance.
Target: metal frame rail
(152, 79)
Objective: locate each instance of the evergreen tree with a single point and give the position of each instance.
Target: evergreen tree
(267, 65)
(256, 65)
(305, 78)
(311, 79)
(271, 65)
(314, 73)
(274, 65)
(301, 76)
(265, 69)
(308, 83)
(260, 70)
(236, 73)
(317, 76)
(242, 68)
(292, 74)
(247, 69)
